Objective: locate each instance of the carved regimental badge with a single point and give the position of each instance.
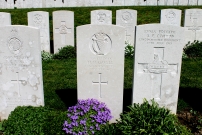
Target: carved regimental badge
(126, 16)
(101, 17)
(37, 18)
(14, 43)
(100, 44)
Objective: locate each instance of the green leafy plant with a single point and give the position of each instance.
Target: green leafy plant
(194, 121)
(193, 50)
(109, 129)
(149, 119)
(28, 120)
(129, 50)
(65, 53)
(86, 117)
(46, 56)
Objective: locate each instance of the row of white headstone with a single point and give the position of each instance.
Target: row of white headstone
(63, 24)
(100, 64)
(86, 3)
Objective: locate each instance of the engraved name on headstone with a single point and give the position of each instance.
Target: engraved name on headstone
(100, 65)
(20, 68)
(157, 64)
(63, 29)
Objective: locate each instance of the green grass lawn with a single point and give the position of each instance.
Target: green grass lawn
(60, 76)
(60, 83)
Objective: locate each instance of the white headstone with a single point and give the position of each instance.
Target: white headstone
(50, 3)
(193, 25)
(63, 29)
(140, 3)
(20, 69)
(28, 4)
(175, 2)
(193, 2)
(10, 4)
(183, 2)
(101, 17)
(157, 64)
(59, 3)
(151, 2)
(3, 4)
(161, 2)
(130, 3)
(199, 2)
(171, 16)
(5, 19)
(20, 4)
(128, 19)
(100, 65)
(169, 2)
(37, 3)
(40, 19)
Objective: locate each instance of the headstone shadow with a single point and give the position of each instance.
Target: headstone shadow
(192, 96)
(68, 96)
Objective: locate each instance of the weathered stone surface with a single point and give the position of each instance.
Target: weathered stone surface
(40, 19)
(192, 24)
(5, 18)
(157, 64)
(171, 17)
(101, 17)
(20, 69)
(128, 19)
(63, 29)
(183, 2)
(100, 65)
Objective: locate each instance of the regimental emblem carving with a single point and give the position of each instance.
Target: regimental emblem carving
(126, 16)
(100, 44)
(171, 16)
(157, 69)
(38, 19)
(101, 17)
(14, 43)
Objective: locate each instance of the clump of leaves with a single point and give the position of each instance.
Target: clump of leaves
(28, 120)
(46, 56)
(65, 53)
(129, 50)
(86, 117)
(193, 50)
(148, 118)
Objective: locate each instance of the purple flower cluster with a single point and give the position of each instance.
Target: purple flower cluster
(86, 117)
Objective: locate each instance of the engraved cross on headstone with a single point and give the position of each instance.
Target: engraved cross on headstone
(157, 69)
(194, 27)
(100, 83)
(18, 81)
(63, 30)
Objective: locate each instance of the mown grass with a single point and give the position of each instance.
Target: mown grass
(60, 78)
(146, 14)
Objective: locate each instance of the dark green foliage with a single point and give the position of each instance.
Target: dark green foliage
(66, 52)
(129, 50)
(194, 49)
(34, 121)
(148, 119)
(109, 129)
(195, 121)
